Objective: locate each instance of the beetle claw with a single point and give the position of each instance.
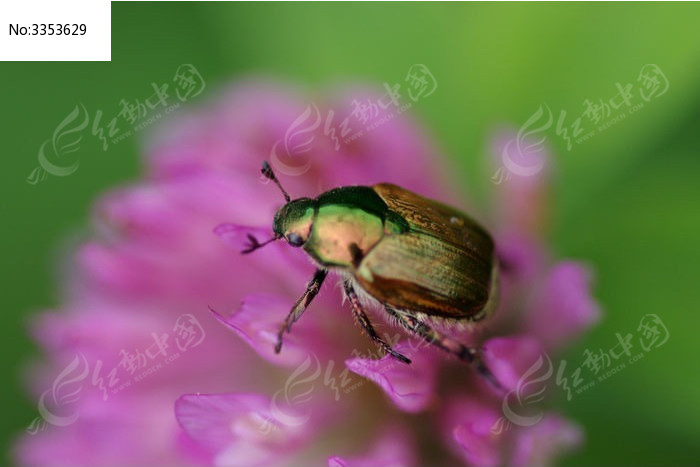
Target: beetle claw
(252, 245)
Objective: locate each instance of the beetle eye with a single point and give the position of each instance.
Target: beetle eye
(295, 239)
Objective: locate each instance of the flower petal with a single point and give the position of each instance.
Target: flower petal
(381, 148)
(135, 430)
(392, 449)
(564, 308)
(469, 423)
(521, 197)
(240, 429)
(510, 358)
(410, 387)
(258, 321)
(541, 444)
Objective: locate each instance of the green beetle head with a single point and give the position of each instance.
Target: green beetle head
(293, 221)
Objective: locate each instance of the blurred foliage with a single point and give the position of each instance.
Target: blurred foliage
(626, 200)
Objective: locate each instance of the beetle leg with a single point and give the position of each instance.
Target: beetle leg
(359, 313)
(448, 344)
(312, 289)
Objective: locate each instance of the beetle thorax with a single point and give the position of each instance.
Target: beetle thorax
(341, 235)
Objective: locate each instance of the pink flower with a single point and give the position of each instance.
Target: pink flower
(138, 371)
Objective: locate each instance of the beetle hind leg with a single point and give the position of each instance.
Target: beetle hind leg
(361, 317)
(448, 344)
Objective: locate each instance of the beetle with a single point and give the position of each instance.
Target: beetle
(419, 259)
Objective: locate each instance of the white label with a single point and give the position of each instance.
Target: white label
(59, 30)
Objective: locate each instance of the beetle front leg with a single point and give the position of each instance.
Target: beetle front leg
(359, 313)
(448, 344)
(312, 289)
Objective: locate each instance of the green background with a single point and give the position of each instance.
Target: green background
(626, 200)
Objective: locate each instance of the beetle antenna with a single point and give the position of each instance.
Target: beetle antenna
(267, 172)
(254, 244)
